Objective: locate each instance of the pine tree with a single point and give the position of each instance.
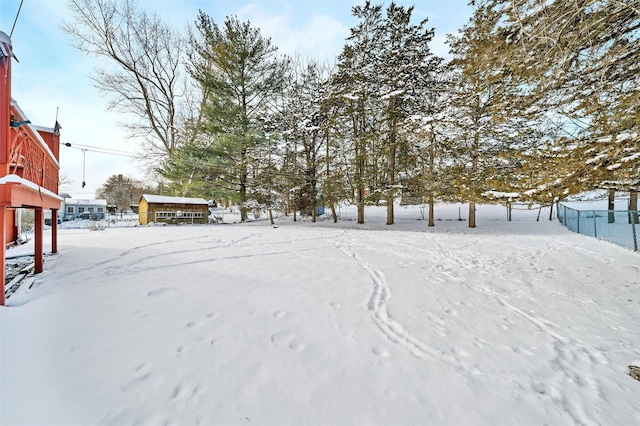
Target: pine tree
(305, 135)
(481, 100)
(406, 70)
(580, 61)
(242, 76)
(356, 87)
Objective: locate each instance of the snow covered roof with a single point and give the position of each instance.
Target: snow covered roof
(163, 199)
(86, 202)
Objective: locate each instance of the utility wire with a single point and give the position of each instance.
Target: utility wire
(100, 150)
(99, 147)
(16, 20)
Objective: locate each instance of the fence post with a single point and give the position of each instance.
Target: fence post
(595, 221)
(578, 224)
(635, 236)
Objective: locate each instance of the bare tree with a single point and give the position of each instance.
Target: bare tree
(122, 191)
(63, 181)
(144, 78)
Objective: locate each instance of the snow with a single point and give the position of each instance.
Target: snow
(392, 94)
(518, 322)
(632, 157)
(163, 199)
(11, 178)
(498, 194)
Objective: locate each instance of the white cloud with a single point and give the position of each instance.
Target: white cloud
(316, 35)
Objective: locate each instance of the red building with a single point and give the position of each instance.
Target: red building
(29, 166)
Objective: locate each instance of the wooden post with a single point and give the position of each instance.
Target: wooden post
(4, 254)
(37, 241)
(54, 230)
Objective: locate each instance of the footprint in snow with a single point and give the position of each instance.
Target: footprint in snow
(296, 345)
(158, 292)
(335, 305)
(279, 314)
(282, 339)
(380, 352)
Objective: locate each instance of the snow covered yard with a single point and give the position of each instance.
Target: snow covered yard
(517, 322)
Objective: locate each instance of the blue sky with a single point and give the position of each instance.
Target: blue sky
(51, 74)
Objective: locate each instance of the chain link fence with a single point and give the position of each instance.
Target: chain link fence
(620, 227)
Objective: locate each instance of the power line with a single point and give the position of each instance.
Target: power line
(100, 150)
(98, 147)
(16, 20)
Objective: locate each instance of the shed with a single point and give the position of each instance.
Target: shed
(161, 208)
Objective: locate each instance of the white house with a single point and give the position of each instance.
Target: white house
(75, 207)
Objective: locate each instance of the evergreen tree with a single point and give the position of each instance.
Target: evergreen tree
(406, 70)
(484, 111)
(305, 127)
(580, 61)
(356, 87)
(242, 77)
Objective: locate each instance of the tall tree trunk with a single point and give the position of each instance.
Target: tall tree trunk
(329, 194)
(612, 198)
(431, 215)
(391, 161)
(358, 130)
(474, 170)
(392, 172)
(472, 215)
(431, 179)
(243, 197)
(360, 202)
(360, 180)
(633, 206)
(271, 216)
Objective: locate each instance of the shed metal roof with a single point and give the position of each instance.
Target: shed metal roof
(163, 199)
(80, 201)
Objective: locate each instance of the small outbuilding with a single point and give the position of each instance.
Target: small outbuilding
(161, 208)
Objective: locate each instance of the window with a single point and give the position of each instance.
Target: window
(80, 209)
(179, 215)
(70, 209)
(100, 209)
